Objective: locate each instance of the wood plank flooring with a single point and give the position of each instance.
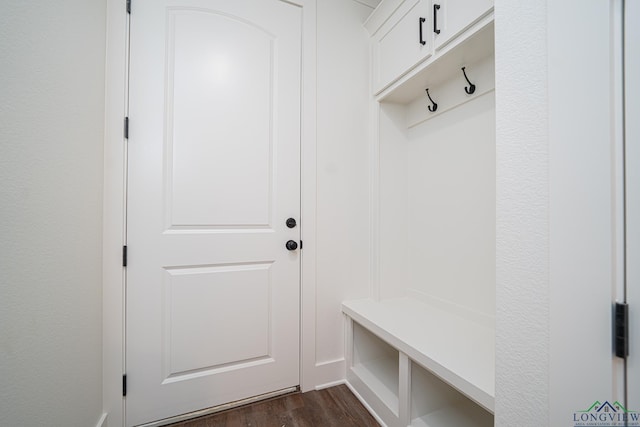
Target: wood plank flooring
(331, 407)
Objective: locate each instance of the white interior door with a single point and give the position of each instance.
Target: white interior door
(213, 174)
(632, 168)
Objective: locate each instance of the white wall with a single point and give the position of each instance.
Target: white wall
(51, 142)
(522, 209)
(342, 171)
(451, 208)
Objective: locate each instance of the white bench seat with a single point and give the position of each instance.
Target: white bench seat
(454, 348)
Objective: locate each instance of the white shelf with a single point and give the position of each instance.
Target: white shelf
(381, 377)
(473, 46)
(376, 364)
(456, 349)
(462, 414)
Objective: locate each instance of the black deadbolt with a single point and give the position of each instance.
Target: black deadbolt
(291, 223)
(292, 245)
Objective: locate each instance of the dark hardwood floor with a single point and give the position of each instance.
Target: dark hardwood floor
(331, 407)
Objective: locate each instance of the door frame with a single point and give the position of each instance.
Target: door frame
(114, 206)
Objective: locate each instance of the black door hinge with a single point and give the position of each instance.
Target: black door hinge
(124, 256)
(126, 127)
(621, 330)
(129, 6)
(124, 385)
(300, 244)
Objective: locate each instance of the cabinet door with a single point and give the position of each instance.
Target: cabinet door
(397, 44)
(452, 17)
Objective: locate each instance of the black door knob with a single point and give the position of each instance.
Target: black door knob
(292, 245)
(291, 223)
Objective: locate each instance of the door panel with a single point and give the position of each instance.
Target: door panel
(236, 70)
(214, 172)
(198, 297)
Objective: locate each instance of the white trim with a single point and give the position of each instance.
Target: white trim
(114, 212)
(381, 14)
(293, 2)
(327, 372)
(370, 3)
(619, 257)
(219, 408)
(115, 198)
(329, 385)
(308, 199)
(631, 88)
(102, 422)
(374, 206)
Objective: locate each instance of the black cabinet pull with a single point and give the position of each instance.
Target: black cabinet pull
(422, 20)
(436, 8)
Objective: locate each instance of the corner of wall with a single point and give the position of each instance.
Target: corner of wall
(340, 168)
(522, 209)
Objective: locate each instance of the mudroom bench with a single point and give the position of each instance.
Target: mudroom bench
(419, 364)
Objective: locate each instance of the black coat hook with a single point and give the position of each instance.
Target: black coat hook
(472, 87)
(433, 107)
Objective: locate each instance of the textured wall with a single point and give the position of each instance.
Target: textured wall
(51, 140)
(522, 209)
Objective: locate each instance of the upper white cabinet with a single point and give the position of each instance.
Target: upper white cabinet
(402, 41)
(406, 33)
(452, 17)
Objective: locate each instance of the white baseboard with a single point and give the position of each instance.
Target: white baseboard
(102, 422)
(329, 372)
(330, 384)
(365, 404)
